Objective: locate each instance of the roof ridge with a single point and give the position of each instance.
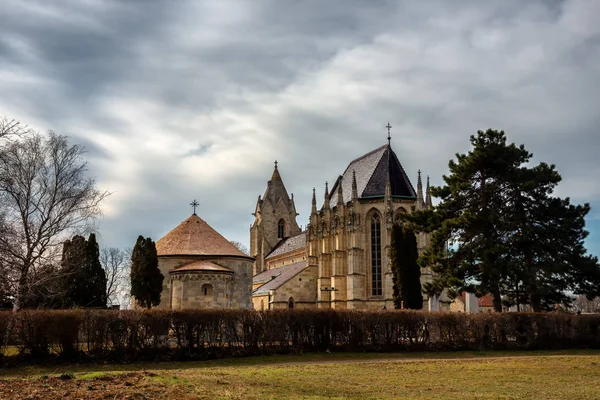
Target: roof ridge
(365, 156)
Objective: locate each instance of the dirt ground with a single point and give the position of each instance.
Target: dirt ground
(131, 385)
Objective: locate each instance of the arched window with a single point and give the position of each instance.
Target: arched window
(376, 284)
(207, 290)
(281, 229)
(262, 305)
(291, 303)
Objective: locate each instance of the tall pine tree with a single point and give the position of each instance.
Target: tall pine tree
(146, 278)
(498, 230)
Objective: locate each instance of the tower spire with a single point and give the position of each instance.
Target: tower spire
(419, 205)
(326, 202)
(354, 187)
(314, 202)
(428, 195)
(340, 194)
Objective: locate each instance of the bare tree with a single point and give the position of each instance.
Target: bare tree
(116, 264)
(45, 197)
(10, 128)
(240, 246)
(583, 305)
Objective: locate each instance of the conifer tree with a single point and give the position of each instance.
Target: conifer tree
(146, 278)
(95, 275)
(411, 272)
(396, 248)
(405, 269)
(72, 268)
(499, 230)
(84, 280)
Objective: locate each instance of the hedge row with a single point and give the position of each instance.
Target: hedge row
(201, 334)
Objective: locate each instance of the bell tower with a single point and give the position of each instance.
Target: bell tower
(274, 219)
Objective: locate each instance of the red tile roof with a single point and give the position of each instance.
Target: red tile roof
(194, 237)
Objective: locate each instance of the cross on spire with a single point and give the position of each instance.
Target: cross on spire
(194, 204)
(275, 164)
(388, 126)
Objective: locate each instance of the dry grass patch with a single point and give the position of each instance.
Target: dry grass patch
(524, 377)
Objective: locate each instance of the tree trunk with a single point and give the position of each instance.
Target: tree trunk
(497, 298)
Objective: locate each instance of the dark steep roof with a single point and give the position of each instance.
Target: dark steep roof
(371, 176)
(288, 245)
(275, 277)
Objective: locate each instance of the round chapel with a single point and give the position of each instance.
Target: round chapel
(202, 269)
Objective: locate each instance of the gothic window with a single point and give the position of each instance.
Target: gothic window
(376, 284)
(291, 303)
(281, 229)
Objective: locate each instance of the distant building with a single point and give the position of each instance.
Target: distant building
(469, 303)
(202, 269)
(341, 259)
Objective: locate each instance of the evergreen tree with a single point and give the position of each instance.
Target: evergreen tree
(146, 278)
(411, 272)
(95, 275)
(84, 280)
(498, 230)
(72, 271)
(405, 269)
(396, 248)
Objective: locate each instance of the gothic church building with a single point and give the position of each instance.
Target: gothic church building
(341, 259)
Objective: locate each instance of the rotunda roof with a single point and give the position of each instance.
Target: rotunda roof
(201, 266)
(194, 237)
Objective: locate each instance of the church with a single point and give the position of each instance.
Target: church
(341, 259)
(202, 269)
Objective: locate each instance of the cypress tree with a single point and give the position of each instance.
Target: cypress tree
(411, 272)
(405, 269)
(95, 275)
(396, 248)
(146, 278)
(84, 279)
(72, 271)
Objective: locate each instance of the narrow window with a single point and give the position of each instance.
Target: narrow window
(291, 303)
(281, 229)
(376, 284)
(207, 289)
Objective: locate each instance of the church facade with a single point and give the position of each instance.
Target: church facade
(341, 259)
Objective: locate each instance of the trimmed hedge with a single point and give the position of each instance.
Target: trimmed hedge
(201, 334)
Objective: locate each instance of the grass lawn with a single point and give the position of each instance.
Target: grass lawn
(465, 375)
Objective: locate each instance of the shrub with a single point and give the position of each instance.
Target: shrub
(201, 334)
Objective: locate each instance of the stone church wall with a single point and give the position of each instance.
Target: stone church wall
(224, 290)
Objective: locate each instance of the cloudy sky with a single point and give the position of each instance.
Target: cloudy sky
(177, 100)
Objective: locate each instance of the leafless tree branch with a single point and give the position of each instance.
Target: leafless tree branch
(45, 197)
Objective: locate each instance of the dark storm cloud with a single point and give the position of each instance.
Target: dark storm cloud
(196, 99)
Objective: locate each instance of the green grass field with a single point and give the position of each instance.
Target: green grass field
(465, 375)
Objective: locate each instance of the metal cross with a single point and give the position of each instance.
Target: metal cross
(388, 126)
(194, 204)
(275, 164)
